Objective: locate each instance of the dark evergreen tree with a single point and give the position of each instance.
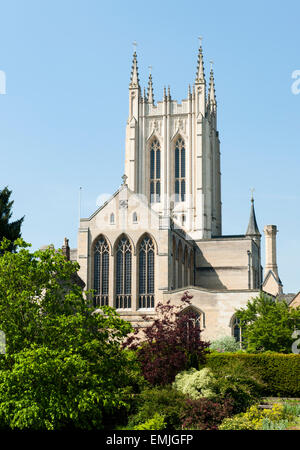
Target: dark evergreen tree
(8, 230)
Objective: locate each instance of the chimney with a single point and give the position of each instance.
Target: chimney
(66, 249)
(270, 239)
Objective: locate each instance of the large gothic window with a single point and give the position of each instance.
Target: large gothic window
(155, 172)
(179, 171)
(146, 273)
(123, 274)
(101, 272)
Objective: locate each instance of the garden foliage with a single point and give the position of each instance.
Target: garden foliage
(170, 344)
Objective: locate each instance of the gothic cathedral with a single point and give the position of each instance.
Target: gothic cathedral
(160, 234)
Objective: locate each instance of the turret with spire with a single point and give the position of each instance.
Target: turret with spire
(211, 100)
(200, 83)
(252, 230)
(134, 89)
(150, 95)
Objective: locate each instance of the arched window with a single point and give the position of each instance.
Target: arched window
(155, 172)
(123, 274)
(179, 171)
(112, 218)
(236, 330)
(146, 273)
(101, 272)
(134, 217)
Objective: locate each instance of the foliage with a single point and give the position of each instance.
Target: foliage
(225, 344)
(165, 401)
(278, 374)
(8, 230)
(204, 413)
(238, 382)
(172, 343)
(156, 423)
(268, 424)
(253, 418)
(40, 304)
(53, 389)
(268, 325)
(195, 383)
(64, 366)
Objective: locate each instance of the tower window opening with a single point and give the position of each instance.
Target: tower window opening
(155, 172)
(179, 171)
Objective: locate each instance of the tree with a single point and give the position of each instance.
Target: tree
(172, 343)
(268, 324)
(64, 365)
(9, 230)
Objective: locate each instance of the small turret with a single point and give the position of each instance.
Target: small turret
(150, 95)
(211, 100)
(252, 230)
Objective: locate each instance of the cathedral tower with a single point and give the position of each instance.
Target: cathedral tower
(172, 155)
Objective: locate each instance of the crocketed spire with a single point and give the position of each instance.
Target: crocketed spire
(200, 76)
(134, 79)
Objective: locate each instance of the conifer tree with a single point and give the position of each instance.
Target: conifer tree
(9, 230)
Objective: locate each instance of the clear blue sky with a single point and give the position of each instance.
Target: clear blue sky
(62, 120)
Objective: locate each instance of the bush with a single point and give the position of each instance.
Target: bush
(225, 344)
(172, 343)
(165, 401)
(195, 383)
(279, 373)
(156, 423)
(204, 414)
(254, 419)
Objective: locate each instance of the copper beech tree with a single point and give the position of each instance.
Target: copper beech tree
(170, 344)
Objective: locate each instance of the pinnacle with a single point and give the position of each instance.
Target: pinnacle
(134, 79)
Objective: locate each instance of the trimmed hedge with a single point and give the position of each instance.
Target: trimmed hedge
(280, 372)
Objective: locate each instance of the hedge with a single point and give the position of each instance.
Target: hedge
(280, 372)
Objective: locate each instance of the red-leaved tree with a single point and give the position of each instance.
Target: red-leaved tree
(170, 344)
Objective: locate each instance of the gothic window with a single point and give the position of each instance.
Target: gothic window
(112, 218)
(134, 217)
(155, 172)
(179, 171)
(123, 274)
(146, 273)
(101, 272)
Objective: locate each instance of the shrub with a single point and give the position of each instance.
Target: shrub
(156, 423)
(195, 383)
(279, 373)
(172, 343)
(253, 418)
(225, 344)
(204, 414)
(164, 401)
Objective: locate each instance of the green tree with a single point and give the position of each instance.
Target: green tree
(9, 230)
(268, 324)
(64, 366)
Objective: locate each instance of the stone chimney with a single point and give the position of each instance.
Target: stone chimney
(270, 239)
(66, 249)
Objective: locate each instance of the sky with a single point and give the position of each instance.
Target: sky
(63, 114)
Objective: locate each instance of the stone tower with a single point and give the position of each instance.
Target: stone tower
(172, 155)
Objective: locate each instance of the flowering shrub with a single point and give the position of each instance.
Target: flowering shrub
(253, 418)
(195, 383)
(204, 414)
(172, 343)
